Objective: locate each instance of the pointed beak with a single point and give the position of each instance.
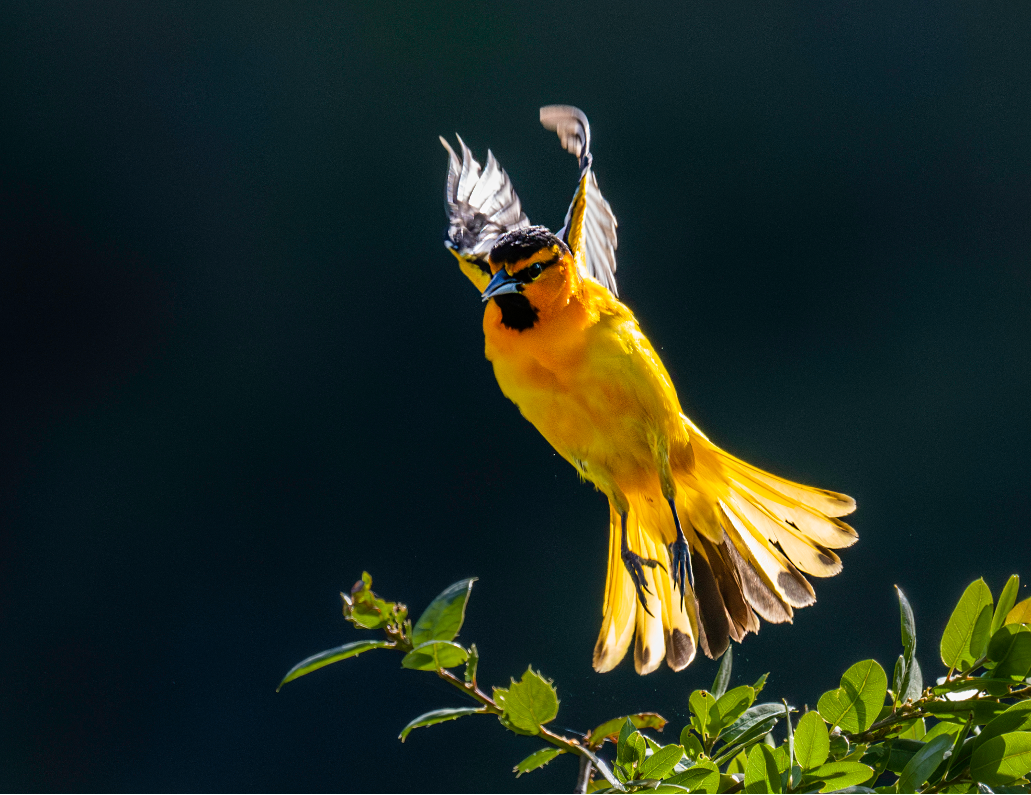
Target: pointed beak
(501, 283)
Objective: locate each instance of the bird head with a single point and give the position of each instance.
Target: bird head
(532, 271)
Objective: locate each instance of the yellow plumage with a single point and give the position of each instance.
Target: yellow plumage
(574, 360)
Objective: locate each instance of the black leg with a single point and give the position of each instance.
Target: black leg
(680, 557)
(635, 565)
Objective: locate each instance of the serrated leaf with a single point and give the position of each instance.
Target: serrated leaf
(471, 663)
(1010, 649)
(661, 763)
(838, 776)
(1002, 759)
(1007, 599)
(855, 705)
(610, 728)
(812, 741)
(367, 611)
(722, 681)
(1021, 614)
(434, 654)
(330, 656)
(761, 773)
(445, 614)
(703, 777)
(966, 634)
(923, 763)
(438, 716)
(536, 760)
(531, 702)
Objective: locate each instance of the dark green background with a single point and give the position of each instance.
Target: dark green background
(238, 365)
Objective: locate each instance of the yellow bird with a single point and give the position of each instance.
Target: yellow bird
(701, 544)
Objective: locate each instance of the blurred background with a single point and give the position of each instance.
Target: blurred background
(239, 366)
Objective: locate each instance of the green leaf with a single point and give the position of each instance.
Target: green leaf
(1021, 614)
(610, 728)
(703, 777)
(470, 666)
(690, 742)
(433, 655)
(984, 711)
(838, 776)
(1010, 649)
(761, 773)
(966, 634)
(537, 759)
(444, 617)
(531, 702)
(855, 705)
(661, 763)
(760, 683)
(904, 689)
(923, 763)
(703, 709)
(812, 741)
(1006, 601)
(439, 716)
(1015, 719)
(729, 707)
(1002, 760)
(719, 686)
(755, 716)
(917, 730)
(367, 611)
(330, 656)
(942, 728)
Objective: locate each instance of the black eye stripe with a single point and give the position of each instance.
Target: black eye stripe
(529, 273)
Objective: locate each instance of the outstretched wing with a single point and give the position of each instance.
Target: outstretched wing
(481, 207)
(590, 226)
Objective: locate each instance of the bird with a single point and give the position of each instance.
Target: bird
(701, 544)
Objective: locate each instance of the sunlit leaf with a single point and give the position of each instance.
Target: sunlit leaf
(610, 728)
(366, 610)
(661, 763)
(444, 617)
(904, 688)
(434, 654)
(923, 763)
(761, 773)
(470, 665)
(531, 702)
(838, 776)
(439, 716)
(1016, 718)
(703, 710)
(755, 716)
(1010, 649)
(855, 705)
(691, 744)
(703, 777)
(983, 711)
(1002, 759)
(760, 683)
(966, 634)
(729, 707)
(1006, 601)
(536, 759)
(1021, 614)
(719, 686)
(330, 656)
(812, 741)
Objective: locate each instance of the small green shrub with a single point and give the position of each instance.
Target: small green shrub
(970, 732)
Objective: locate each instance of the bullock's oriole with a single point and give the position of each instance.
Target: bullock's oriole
(700, 543)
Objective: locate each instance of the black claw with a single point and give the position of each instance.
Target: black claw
(635, 567)
(680, 561)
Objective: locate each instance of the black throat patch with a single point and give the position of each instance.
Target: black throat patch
(517, 312)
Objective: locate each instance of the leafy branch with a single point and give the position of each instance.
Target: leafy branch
(968, 732)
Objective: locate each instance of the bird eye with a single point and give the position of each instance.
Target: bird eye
(535, 270)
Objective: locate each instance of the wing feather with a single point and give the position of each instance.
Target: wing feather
(590, 226)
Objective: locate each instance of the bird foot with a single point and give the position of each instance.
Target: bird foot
(635, 566)
(680, 562)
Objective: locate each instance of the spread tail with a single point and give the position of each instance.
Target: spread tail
(752, 536)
